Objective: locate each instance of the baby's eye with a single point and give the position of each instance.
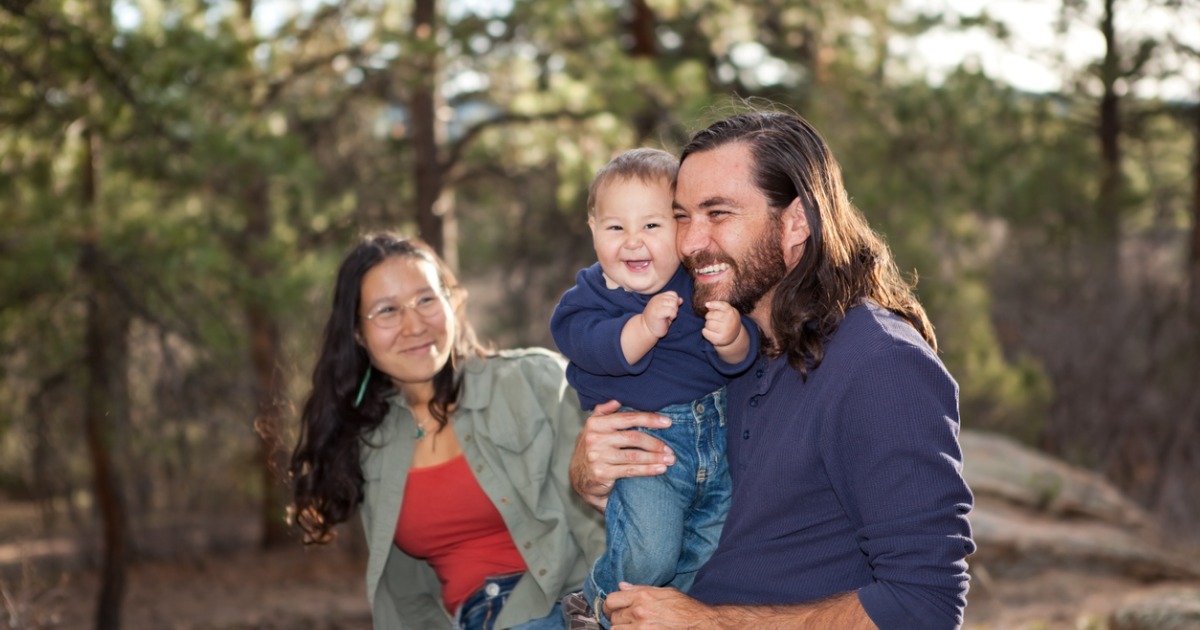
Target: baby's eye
(651, 226)
(614, 228)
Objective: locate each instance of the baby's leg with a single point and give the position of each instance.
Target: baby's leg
(706, 515)
(644, 522)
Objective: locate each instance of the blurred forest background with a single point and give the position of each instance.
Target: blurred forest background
(179, 179)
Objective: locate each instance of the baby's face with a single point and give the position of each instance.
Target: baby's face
(633, 232)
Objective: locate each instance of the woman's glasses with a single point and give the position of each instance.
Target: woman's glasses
(389, 315)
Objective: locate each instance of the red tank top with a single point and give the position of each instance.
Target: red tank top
(447, 520)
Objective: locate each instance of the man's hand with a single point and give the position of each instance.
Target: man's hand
(605, 451)
(655, 607)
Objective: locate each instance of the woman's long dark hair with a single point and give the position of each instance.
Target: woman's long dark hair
(325, 470)
(844, 261)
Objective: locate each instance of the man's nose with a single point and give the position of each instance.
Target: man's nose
(691, 238)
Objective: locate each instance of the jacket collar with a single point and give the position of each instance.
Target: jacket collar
(476, 393)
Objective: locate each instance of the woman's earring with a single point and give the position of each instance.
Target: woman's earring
(362, 389)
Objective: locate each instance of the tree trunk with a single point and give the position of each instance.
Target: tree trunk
(266, 348)
(423, 107)
(645, 46)
(1194, 257)
(265, 355)
(1108, 203)
(645, 43)
(106, 394)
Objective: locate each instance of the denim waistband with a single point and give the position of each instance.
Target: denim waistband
(480, 609)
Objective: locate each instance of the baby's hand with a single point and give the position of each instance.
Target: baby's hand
(660, 311)
(722, 324)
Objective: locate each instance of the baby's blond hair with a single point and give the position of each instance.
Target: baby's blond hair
(644, 164)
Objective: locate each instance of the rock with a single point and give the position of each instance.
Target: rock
(1001, 467)
(1034, 512)
(1012, 541)
(1168, 609)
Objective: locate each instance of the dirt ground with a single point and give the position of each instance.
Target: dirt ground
(323, 589)
(320, 589)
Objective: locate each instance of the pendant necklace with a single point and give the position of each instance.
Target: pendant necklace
(420, 430)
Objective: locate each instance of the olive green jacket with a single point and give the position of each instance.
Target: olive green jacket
(517, 421)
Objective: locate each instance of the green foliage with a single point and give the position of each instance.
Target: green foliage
(234, 165)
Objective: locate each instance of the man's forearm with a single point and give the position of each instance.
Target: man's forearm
(841, 611)
(637, 607)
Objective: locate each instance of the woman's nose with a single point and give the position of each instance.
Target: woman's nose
(411, 321)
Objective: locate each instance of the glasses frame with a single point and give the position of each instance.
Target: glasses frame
(392, 319)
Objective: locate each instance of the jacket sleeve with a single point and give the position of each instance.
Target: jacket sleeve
(562, 407)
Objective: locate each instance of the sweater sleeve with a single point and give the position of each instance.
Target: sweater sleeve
(895, 462)
(589, 335)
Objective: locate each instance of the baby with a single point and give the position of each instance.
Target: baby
(628, 328)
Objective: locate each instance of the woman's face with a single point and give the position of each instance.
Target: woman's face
(406, 323)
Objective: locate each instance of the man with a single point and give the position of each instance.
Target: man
(849, 509)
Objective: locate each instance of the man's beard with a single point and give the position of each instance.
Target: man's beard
(751, 278)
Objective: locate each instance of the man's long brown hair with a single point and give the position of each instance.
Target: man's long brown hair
(844, 261)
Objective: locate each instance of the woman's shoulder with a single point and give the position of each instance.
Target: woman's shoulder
(521, 359)
(526, 377)
(532, 356)
(535, 366)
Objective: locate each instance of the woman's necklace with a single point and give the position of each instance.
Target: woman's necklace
(420, 430)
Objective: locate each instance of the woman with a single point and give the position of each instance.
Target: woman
(457, 455)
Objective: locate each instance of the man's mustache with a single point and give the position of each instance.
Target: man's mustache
(699, 261)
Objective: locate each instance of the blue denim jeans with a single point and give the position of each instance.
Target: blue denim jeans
(480, 610)
(661, 529)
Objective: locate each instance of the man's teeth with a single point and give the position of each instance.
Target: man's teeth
(711, 269)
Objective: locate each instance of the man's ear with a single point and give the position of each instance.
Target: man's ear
(795, 231)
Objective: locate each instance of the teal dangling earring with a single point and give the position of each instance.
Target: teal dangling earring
(362, 389)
